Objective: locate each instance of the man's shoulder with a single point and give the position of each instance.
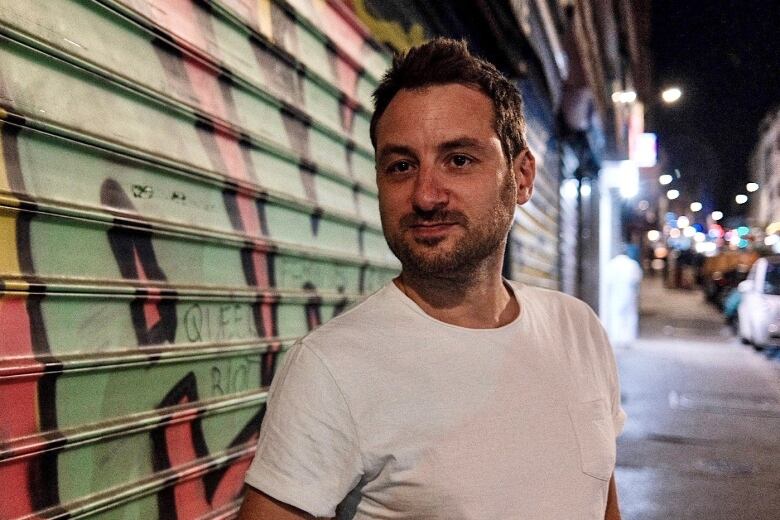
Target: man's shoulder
(373, 315)
(553, 300)
(569, 317)
(574, 325)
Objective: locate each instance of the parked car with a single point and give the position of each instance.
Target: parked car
(722, 273)
(759, 307)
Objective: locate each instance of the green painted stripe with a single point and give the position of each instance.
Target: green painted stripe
(87, 436)
(51, 27)
(58, 171)
(108, 462)
(17, 286)
(375, 65)
(93, 324)
(126, 116)
(305, 61)
(250, 82)
(332, 246)
(138, 500)
(19, 368)
(127, 390)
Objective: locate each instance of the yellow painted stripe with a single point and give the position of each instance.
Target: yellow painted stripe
(264, 18)
(16, 285)
(9, 259)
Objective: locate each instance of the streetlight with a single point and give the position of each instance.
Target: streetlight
(671, 95)
(665, 179)
(624, 96)
(741, 198)
(696, 206)
(717, 215)
(751, 187)
(672, 194)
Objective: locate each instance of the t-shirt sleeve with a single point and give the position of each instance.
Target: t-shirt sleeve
(606, 358)
(618, 414)
(307, 454)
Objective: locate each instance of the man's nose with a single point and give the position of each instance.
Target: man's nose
(430, 192)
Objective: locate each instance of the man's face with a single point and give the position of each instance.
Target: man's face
(446, 193)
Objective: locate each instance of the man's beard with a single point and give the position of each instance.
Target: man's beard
(480, 241)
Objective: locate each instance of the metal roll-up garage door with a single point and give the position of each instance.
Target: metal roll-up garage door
(185, 189)
(534, 239)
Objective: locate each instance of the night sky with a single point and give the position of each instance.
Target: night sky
(725, 56)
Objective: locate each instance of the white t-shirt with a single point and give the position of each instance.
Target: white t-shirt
(386, 412)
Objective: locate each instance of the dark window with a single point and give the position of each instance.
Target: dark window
(772, 280)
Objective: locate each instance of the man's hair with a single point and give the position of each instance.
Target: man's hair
(443, 61)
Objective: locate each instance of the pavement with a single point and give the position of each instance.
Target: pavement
(702, 440)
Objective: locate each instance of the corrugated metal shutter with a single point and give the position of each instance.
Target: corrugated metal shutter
(534, 238)
(185, 188)
(569, 222)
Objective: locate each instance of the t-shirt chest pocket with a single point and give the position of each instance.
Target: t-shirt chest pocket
(595, 433)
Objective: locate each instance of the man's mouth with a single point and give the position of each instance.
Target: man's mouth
(434, 227)
(431, 229)
(433, 224)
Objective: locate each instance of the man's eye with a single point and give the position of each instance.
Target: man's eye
(400, 167)
(460, 160)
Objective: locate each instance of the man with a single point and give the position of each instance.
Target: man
(622, 319)
(451, 393)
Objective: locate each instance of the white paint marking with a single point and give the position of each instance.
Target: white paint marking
(73, 43)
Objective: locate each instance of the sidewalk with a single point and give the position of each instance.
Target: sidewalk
(703, 436)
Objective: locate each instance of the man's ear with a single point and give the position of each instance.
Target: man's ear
(524, 167)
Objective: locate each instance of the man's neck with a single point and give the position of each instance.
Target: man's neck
(479, 301)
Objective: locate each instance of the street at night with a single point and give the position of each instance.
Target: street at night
(701, 440)
(373, 259)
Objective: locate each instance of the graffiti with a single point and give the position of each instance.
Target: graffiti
(313, 316)
(142, 192)
(314, 221)
(295, 273)
(230, 379)
(284, 79)
(219, 322)
(33, 402)
(386, 30)
(145, 297)
(183, 442)
(154, 317)
(342, 304)
(182, 199)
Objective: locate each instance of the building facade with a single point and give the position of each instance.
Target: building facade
(765, 170)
